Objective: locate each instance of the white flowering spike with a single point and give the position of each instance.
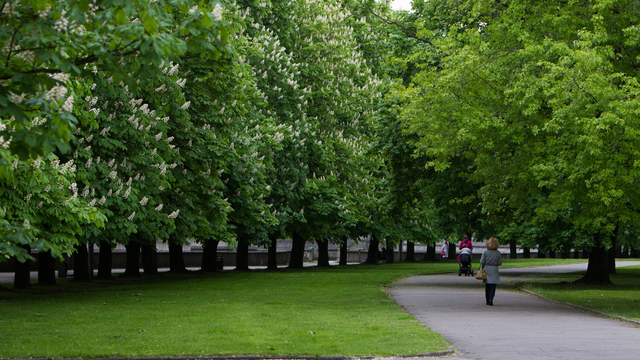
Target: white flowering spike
(217, 12)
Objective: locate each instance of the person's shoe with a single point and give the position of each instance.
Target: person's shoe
(490, 303)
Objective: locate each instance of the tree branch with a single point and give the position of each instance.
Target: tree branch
(86, 60)
(408, 32)
(503, 50)
(486, 82)
(13, 39)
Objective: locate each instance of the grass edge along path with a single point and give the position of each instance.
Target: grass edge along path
(578, 306)
(342, 311)
(620, 301)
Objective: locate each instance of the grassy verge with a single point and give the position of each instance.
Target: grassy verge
(522, 263)
(337, 311)
(620, 299)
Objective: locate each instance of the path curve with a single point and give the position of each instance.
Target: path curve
(518, 326)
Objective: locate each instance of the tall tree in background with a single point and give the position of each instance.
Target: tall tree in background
(542, 101)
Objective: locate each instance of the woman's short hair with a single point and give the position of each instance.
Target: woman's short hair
(492, 243)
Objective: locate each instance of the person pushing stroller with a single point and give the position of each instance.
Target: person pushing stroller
(464, 258)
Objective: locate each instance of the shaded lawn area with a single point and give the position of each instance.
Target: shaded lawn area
(318, 312)
(620, 299)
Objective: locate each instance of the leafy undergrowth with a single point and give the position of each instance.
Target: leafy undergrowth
(622, 298)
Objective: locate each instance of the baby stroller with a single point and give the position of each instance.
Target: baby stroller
(464, 263)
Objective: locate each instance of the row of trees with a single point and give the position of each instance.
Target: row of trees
(528, 112)
(128, 122)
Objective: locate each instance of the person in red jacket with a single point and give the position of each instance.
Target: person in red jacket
(466, 242)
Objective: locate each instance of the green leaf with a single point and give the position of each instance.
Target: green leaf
(150, 25)
(78, 15)
(121, 17)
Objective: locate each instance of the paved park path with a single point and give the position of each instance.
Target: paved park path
(519, 325)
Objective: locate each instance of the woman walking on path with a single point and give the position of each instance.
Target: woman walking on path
(490, 260)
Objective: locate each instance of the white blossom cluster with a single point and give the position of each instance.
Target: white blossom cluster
(58, 91)
(62, 23)
(217, 12)
(143, 119)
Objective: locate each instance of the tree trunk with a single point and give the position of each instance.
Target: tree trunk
(552, 254)
(611, 260)
(576, 254)
(242, 254)
(612, 251)
(272, 260)
(526, 253)
(598, 268)
(411, 252)
(344, 251)
(176, 259)
(372, 255)
(91, 264)
(46, 269)
(323, 253)
(22, 276)
(389, 253)
(513, 249)
(541, 253)
(81, 264)
(105, 260)
(585, 253)
(133, 259)
(296, 261)
(430, 255)
(150, 259)
(210, 256)
(453, 249)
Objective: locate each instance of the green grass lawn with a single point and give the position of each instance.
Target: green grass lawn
(337, 311)
(522, 263)
(620, 299)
